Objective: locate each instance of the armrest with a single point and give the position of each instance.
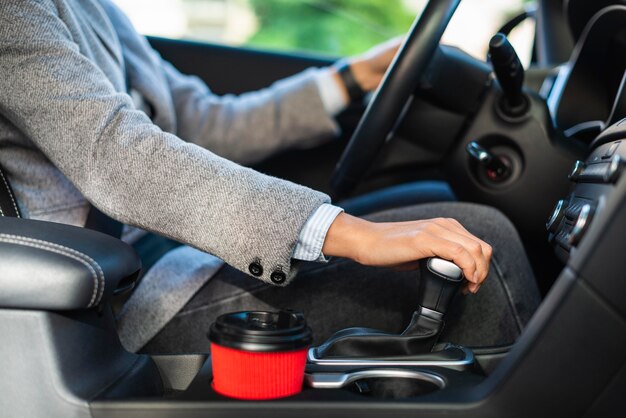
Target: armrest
(51, 266)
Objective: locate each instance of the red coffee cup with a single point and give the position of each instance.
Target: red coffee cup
(259, 355)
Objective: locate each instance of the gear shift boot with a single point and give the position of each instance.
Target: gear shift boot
(439, 281)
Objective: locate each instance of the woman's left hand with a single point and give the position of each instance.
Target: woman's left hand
(370, 67)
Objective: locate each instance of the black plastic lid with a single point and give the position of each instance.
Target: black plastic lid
(261, 331)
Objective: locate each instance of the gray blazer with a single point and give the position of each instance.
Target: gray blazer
(70, 135)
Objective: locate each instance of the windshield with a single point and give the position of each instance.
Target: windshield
(330, 27)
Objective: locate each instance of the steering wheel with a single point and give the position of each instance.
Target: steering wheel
(390, 99)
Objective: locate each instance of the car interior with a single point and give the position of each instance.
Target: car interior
(542, 145)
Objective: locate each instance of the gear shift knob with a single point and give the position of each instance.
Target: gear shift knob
(439, 281)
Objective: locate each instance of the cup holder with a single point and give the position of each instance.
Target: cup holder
(379, 383)
(392, 387)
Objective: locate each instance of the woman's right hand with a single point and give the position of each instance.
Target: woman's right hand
(402, 244)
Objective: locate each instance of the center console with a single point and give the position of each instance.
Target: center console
(593, 181)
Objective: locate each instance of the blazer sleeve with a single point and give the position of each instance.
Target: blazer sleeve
(251, 126)
(130, 169)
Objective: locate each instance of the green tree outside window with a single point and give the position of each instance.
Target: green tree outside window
(336, 27)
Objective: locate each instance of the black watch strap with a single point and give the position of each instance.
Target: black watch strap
(355, 92)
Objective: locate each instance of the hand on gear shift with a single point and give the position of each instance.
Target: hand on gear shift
(403, 245)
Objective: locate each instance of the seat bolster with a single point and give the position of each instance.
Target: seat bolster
(51, 266)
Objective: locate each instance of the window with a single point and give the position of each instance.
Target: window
(331, 27)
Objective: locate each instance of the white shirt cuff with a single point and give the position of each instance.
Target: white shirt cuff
(313, 234)
(332, 98)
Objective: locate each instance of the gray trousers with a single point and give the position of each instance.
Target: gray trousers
(342, 293)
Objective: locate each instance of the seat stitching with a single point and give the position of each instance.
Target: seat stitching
(17, 212)
(58, 251)
(509, 294)
(93, 262)
(44, 245)
(69, 252)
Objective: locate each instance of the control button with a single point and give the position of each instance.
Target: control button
(573, 209)
(609, 153)
(562, 239)
(614, 169)
(581, 225)
(278, 277)
(255, 268)
(593, 173)
(557, 214)
(579, 166)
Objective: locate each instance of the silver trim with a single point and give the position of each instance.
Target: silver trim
(339, 380)
(557, 214)
(476, 151)
(444, 268)
(578, 168)
(467, 360)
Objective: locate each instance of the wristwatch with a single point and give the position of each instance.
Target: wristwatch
(355, 92)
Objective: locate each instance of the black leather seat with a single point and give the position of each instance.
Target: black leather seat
(51, 266)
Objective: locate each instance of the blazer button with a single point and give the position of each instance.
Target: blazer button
(278, 277)
(256, 269)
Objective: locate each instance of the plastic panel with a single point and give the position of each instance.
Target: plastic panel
(53, 364)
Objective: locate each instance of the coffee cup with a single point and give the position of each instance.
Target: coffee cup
(259, 355)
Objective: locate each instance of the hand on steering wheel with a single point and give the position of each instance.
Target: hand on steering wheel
(370, 67)
(399, 82)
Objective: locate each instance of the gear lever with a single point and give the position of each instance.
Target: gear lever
(439, 281)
